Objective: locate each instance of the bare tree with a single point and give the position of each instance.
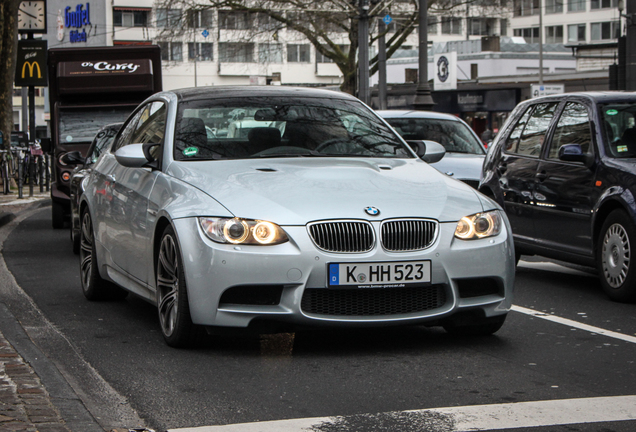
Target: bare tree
(8, 42)
(331, 26)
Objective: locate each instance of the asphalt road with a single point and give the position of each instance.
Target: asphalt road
(238, 379)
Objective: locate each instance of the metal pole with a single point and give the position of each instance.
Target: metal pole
(41, 174)
(363, 52)
(540, 42)
(423, 98)
(47, 174)
(382, 66)
(20, 176)
(630, 46)
(31, 137)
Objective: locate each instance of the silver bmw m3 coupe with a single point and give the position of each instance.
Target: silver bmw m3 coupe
(273, 206)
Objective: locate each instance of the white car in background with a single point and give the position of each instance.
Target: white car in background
(465, 153)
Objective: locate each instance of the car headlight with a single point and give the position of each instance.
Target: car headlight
(242, 231)
(478, 226)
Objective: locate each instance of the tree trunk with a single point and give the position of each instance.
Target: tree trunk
(8, 43)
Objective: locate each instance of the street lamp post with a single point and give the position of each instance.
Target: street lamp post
(423, 98)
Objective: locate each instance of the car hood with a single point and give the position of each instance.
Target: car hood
(462, 166)
(300, 190)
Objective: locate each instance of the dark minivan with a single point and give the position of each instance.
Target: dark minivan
(564, 169)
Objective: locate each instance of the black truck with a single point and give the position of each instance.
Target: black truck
(90, 88)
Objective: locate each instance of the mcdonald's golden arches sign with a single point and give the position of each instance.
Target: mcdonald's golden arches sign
(31, 65)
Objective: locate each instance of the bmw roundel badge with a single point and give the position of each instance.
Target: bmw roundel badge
(372, 211)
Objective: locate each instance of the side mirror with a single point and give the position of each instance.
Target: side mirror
(132, 156)
(428, 151)
(138, 155)
(73, 158)
(574, 153)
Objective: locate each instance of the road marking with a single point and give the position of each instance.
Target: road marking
(457, 419)
(575, 324)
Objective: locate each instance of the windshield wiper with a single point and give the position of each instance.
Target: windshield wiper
(308, 153)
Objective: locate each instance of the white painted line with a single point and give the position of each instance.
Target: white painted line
(542, 413)
(575, 324)
(465, 419)
(554, 267)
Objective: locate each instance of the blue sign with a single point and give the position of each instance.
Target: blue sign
(205, 33)
(387, 19)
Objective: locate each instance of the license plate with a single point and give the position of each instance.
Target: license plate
(379, 274)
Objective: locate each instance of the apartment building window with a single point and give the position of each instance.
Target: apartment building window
(604, 4)
(168, 17)
(230, 20)
(481, 26)
(531, 35)
(171, 51)
(200, 18)
(236, 52)
(503, 27)
(432, 25)
(525, 7)
(201, 50)
(298, 53)
(576, 5)
(554, 34)
(322, 59)
(576, 33)
(451, 25)
(270, 53)
(604, 30)
(123, 17)
(553, 6)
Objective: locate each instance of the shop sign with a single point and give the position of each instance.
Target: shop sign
(77, 19)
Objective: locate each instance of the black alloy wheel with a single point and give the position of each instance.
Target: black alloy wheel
(616, 242)
(172, 296)
(93, 285)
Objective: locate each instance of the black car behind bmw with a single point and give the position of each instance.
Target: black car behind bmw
(564, 169)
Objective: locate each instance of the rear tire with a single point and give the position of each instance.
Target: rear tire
(616, 264)
(93, 286)
(481, 327)
(57, 215)
(172, 294)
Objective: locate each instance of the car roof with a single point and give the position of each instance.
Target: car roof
(595, 96)
(416, 114)
(223, 92)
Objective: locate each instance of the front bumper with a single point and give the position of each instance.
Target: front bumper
(459, 269)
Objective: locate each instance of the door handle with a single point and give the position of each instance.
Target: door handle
(541, 175)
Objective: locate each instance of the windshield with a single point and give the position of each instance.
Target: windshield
(455, 136)
(619, 125)
(262, 127)
(79, 125)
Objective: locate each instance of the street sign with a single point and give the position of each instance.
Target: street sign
(31, 63)
(537, 90)
(387, 19)
(205, 33)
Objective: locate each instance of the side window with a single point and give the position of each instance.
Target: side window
(573, 128)
(126, 133)
(513, 139)
(534, 134)
(152, 124)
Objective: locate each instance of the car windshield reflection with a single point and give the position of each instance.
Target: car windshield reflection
(619, 122)
(263, 127)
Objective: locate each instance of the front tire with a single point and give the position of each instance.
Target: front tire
(172, 294)
(93, 285)
(616, 242)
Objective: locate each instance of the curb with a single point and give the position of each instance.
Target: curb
(5, 218)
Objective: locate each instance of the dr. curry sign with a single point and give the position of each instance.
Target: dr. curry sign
(31, 63)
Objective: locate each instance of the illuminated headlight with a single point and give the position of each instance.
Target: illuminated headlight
(480, 225)
(66, 176)
(242, 231)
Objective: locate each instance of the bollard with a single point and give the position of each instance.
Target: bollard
(20, 177)
(47, 174)
(41, 173)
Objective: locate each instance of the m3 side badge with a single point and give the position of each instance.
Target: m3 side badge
(372, 211)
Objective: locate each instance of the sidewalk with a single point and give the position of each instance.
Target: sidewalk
(25, 403)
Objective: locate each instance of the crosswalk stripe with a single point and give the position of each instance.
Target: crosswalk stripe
(457, 419)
